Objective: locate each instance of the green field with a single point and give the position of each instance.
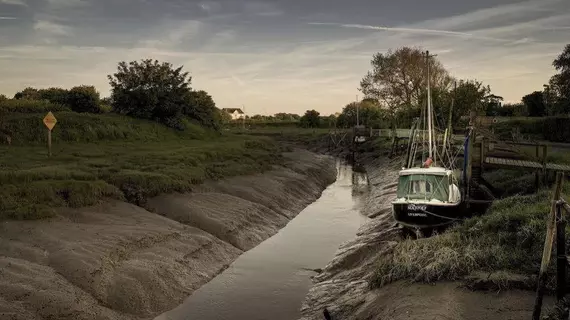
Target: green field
(98, 156)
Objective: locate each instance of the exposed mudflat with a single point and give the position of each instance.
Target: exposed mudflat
(343, 285)
(271, 280)
(119, 261)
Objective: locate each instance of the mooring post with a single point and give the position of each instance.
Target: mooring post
(561, 260)
(547, 252)
(544, 156)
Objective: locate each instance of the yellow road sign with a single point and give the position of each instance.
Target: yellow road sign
(50, 121)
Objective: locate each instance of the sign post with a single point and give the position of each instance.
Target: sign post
(49, 121)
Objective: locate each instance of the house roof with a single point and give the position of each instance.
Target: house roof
(232, 110)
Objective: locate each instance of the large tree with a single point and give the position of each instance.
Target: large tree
(151, 90)
(398, 78)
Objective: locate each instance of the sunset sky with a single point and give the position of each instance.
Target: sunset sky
(278, 55)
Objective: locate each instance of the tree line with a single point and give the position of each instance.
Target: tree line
(395, 92)
(146, 89)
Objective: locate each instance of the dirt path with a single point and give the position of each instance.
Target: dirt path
(119, 261)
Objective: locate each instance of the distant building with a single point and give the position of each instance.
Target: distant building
(235, 113)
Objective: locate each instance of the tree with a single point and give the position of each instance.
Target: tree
(54, 95)
(398, 78)
(28, 93)
(84, 99)
(562, 79)
(3, 97)
(534, 103)
(493, 105)
(369, 114)
(201, 107)
(286, 117)
(152, 90)
(311, 119)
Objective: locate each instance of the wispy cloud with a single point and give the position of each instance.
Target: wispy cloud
(409, 30)
(259, 8)
(8, 18)
(14, 2)
(67, 3)
(51, 28)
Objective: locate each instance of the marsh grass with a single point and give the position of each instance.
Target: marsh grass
(80, 174)
(508, 238)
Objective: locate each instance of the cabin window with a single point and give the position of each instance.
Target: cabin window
(424, 186)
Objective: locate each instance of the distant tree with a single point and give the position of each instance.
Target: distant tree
(28, 93)
(471, 95)
(107, 100)
(201, 107)
(54, 95)
(534, 103)
(3, 97)
(369, 114)
(513, 110)
(286, 117)
(152, 90)
(493, 105)
(398, 78)
(310, 119)
(84, 99)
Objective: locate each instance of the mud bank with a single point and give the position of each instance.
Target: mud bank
(343, 285)
(119, 261)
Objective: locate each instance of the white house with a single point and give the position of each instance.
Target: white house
(235, 113)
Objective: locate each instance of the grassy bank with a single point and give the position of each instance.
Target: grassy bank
(507, 240)
(98, 156)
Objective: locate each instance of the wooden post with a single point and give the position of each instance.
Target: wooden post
(49, 142)
(482, 155)
(547, 252)
(544, 156)
(537, 172)
(561, 260)
(469, 164)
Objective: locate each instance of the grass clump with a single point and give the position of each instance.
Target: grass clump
(508, 238)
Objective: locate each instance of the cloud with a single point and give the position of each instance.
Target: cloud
(210, 7)
(409, 30)
(14, 2)
(51, 28)
(8, 18)
(264, 9)
(67, 3)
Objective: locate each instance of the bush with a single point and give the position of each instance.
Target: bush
(84, 99)
(555, 129)
(30, 106)
(85, 127)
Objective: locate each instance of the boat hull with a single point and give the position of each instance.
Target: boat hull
(423, 216)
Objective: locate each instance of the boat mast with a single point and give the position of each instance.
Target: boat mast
(430, 138)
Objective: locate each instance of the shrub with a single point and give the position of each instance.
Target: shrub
(556, 129)
(30, 106)
(84, 99)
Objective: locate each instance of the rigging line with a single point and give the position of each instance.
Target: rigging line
(441, 217)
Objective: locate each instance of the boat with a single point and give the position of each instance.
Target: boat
(428, 195)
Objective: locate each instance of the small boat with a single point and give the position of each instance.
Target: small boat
(428, 195)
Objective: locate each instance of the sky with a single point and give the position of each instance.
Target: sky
(279, 55)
